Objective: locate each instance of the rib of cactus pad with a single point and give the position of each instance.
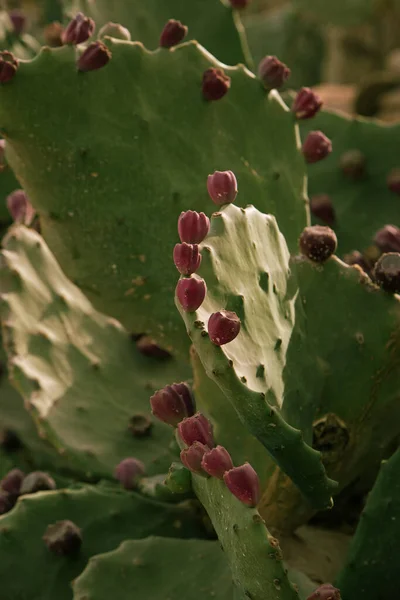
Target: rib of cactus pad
(106, 516)
(210, 22)
(364, 206)
(342, 12)
(372, 565)
(77, 369)
(158, 568)
(135, 151)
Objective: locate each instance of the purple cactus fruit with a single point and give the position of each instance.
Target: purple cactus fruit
(196, 429)
(173, 403)
(18, 20)
(222, 187)
(215, 84)
(321, 207)
(8, 66)
(239, 3)
(37, 481)
(316, 147)
(128, 472)
(63, 538)
(217, 461)
(191, 292)
(386, 272)
(325, 592)
(388, 239)
(193, 226)
(172, 34)
(94, 57)
(318, 243)
(223, 327)
(243, 482)
(78, 30)
(191, 457)
(352, 164)
(11, 483)
(272, 72)
(52, 34)
(20, 208)
(114, 30)
(148, 347)
(306, 104)
(6, 502)
(187, 258)
(393, 181)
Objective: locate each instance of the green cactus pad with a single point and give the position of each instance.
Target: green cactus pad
(372, 566)
(109, 187)
(341, 12)
(106, 515)
(158, 568)
(78, 370)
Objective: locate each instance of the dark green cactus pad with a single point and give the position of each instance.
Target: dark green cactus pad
(106, 516)
(110, 186)
(158, 568)
(81, 376)
(362, 206)
(372, 566)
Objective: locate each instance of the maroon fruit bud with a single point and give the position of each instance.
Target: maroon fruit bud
(11, 483)
(173, 403)
(318, 243)
(356, 258)
(114, 30)
(78, 30)
(8, 66)
(223, 327)
(325, 592)
(243, 482)
(18, 20)
(222, 187)
(321, 207)
(63, 538)
(20, 208)
(191, 292)
(239, 3)
(316, 147)
(148, 347)
(388, 239)
(94, 57)
(128, 472)
(352, 164)
(215, 84)
(387, 272)
(6, 502)
(193, 226)
(3, 163)
(393, 181)
(172, 34)
(272, 72)
(196, 429)
(191, 457)
(216, 462)
(37, 481)
(187, 258)
(306, 104)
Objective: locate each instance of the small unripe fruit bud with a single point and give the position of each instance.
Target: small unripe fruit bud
(307, 103)
(128, 472)
(352, 164)
(388, 239)
(316, 147)
(37, 481)
(148, 347)
(173, 403)
(53, 34)
(196, 429)
(216, 462)
(6, 502)
(272, 72)
(20, 208)
(178, 480)
(78, 30)
(356, 258)
(191, 457)
(318, 243)
(191, 292)
(243, 482)
(114, 30)
(8, 66)
(222, 187)
(215, 84)
(94, 57)
(12, 482)
(63, 538)
(18, 20)
(187, 258)
(321, 207)
(325, 592)
(193, 226)
(223, 327)
(393, 181)
(239, 3)
(172, 34)
(140, 425)
(387, 272)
